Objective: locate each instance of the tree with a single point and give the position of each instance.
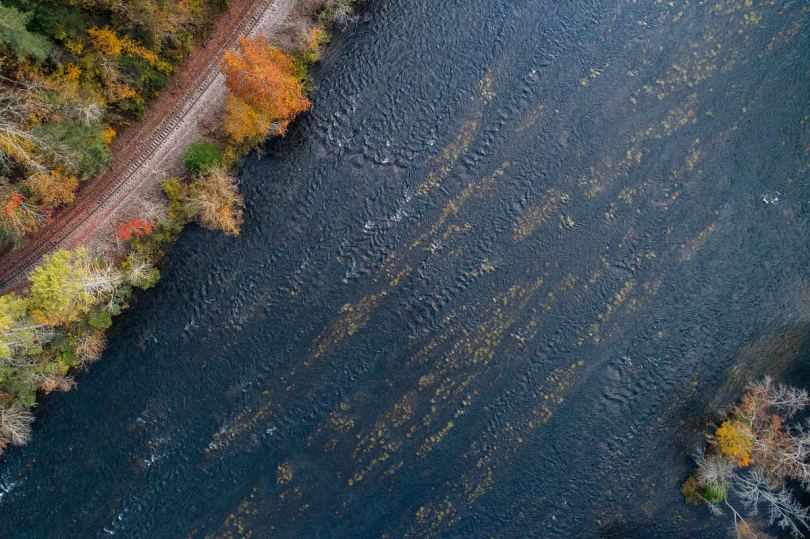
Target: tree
(139, 271)
(243, 122)
(265, 78)
(783, 508)
(58, 295)
(15, 35)
(81, 147)
(736, 441)
(105, 41)
(214, 202)
(53, 381)
(90, 346)
(13, 332)
(18, 216)
(51, 188)
(18, 144)
(755, 454)
(68, 284)
(336, 11)
(12, 309)
(15, 425)
(201, 157)
(20, 337)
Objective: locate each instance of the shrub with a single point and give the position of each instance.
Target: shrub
(714, 492)
(202, 157)
(138, 227)
(690, 490)
(99, 320)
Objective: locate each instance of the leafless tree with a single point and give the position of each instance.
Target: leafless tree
(713, 468)
(343, 12)
(48, 382)
(783, 508)
(103, 278)
(786, 399)
(17, 144)
(15, 424)
(24, 335)
(90, 347)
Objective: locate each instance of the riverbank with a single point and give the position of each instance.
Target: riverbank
(87, 276)
(478, 291)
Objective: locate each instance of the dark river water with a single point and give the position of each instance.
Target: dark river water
(491, 286)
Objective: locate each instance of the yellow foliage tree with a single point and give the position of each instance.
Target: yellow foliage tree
(134, 49)
(58, 295)
(52, 188)
(105, 40)
(243, 121)
(736, 441)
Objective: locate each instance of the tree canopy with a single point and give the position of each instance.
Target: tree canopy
(266, 91)
(15, 35)
(58, 293)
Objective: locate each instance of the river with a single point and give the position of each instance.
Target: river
(491, 286)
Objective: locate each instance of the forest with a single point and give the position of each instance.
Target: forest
(73, 74)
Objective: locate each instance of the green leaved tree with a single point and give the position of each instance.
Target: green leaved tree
(70, 283)
(15, 35)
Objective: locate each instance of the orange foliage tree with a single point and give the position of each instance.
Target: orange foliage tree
(138, 227)
(18, 216)
(266, 93)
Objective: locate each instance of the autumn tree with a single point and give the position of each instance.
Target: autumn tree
(18, 144)
(90, 346)
(57, 288)
(17, 215)
(214, 201)
(68, 284)
(19, 335)
(735, 441)
(754, 455)
(243, 122)
(52, 188)
(266, 92)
